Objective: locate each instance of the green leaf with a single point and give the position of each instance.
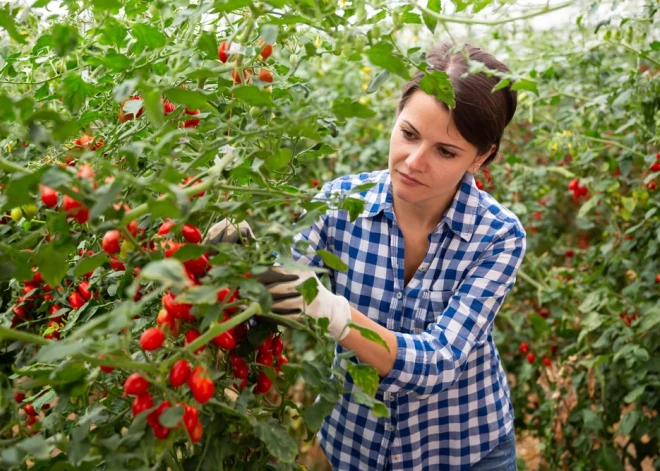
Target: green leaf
(378, 409)
(52, 261)
(88, 264)
(253, 95)
(279, 159)
(501, 84)
(316, 413)
(377, 81)
(331, 260)
(635, 394)
(347, 108)
(430, 21)
(163, 208)
(208, 44)
(608, 459)
(199, 295)
(153, 108)
(148, 37)
(539, 324)
(525, 84)
(230, 5)
(354, 207)
(437, 84)
(75, 91)
(381, 55)
(309, 289)
(369, 335)
(269, 33)
(169, 272)
(37, 447)
(628, 422)
(192, 99)
(276, 439)
(650, 319)
(364, 376)
(171, 417)
(105, 199)
(7, 22)
(189, 252)
(59, 350)
(65, 39)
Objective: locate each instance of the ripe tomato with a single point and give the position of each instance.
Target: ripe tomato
(160, 432)
(530, 358)
(266, 344)
(201, 385)
(282, 360)
(142, 403)
(197, 195)
(573, 184)
(196, 434)
(266, 75)
(190, 417)
(132, 228)
(179, 373)
(197, 266)
(241, 330)
(86, 171)
(277, 347)
(234, 359)
(266, 51)
(111, 242)
(152, 338)
(223, 56)
(225, 341)
(153, 418)
(190, 337)
(168, 107)
(241, 370)
(237, 76)
(265, 358)
(48, 197)
(179, 311)
(524, 348)
(135, 385)
(165, 228)
(117, 264)
(170, 247)
(83, 289)
(263, 384)
(19, 396)
(191, 123)
(76, 300)
(29, 410)
(191, 233)
(547, 361)
(166, 319)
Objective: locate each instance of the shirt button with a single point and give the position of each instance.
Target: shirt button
(396, 458)
(390, 427)
(399, 295)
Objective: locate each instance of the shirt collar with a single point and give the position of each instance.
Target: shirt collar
(460, 217)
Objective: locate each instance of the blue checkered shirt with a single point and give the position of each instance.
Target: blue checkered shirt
(447, 394)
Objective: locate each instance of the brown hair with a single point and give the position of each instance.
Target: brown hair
(480, 116)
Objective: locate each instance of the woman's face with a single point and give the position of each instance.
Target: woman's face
(425, 146)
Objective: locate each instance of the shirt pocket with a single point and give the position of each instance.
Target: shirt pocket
(431, 307)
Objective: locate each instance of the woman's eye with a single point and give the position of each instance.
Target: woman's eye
(445, 153)
(407, 134)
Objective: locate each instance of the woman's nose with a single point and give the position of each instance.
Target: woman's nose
(416, 159)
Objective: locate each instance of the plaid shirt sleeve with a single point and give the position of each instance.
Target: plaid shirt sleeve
(432, 361)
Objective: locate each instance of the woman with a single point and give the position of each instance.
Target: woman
(430, 260)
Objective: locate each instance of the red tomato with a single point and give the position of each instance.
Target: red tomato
(241, 370)
(266, 344)
(170, 247)
(76, 300)
(524, 348)
(198, 431)
(225, 341)
(83, 289)
(530, 358)
(190, 337)
(241, 330)
(166, 318)
(266, 75)
(266, 51)
(197, 266)
(179, 311)
(263, 384)
(201, 385)
(190, 417)
(265, 358)
(179, 373)
(142, 403)
(106, 368)
(277, 347)
(48, 197)
(19, 396)
(29, 410)
(132, 228)
(282, 360)
(222, 51)
(191, 234)
(135, 385)
(117, 264)
(160, 432)
(165, 228)
(111, 242)
(234, 359)
(152, 338)
(86, 171)
(168, 107)
(153, 418)
(222, 294)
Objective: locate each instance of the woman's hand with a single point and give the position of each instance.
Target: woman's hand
(287, 301)
(281, 284)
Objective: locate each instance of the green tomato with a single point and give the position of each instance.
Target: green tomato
(16, 214)
(293, 59)
(30, 210)
(255, 112)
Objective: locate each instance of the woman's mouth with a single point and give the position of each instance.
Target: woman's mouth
(408, 180)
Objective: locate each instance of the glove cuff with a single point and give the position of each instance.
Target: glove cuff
(339, 318)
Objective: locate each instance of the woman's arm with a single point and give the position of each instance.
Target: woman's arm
(370, 352)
